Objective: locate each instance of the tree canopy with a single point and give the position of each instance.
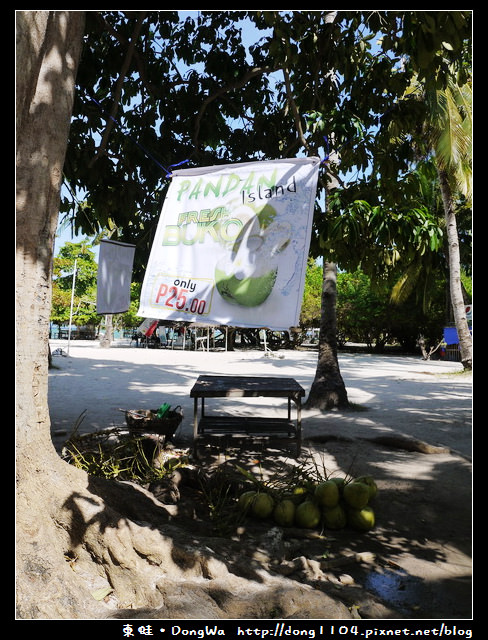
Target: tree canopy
(155, 89)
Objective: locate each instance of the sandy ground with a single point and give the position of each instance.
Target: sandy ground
(425, 509)
(403, 395)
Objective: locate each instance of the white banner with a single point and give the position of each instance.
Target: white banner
(114, 276)
(231, 245)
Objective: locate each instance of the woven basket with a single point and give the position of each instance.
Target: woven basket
(147, 420)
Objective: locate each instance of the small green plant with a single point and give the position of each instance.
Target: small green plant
(219, 496)
(124, 458)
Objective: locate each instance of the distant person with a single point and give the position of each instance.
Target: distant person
(136, 336)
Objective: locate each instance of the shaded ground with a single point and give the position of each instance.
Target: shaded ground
(414, 564)
(411, 430)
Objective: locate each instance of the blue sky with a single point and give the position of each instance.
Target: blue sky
(65, 236)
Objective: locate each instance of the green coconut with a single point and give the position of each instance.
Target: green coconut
(245, 500)
(262, 505)
(298, 494)
(327, 494)
(334, 517)
(356, 494)
(284, 513)
(369, 481)
(361, 519)
(340, 482)
(307, 515)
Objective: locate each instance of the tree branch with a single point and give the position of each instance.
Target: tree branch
(294, 109)
(118, 86)
(223, 90)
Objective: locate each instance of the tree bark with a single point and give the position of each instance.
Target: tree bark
(106, 340)
(328, 390)
(48, 49)
(456, 289)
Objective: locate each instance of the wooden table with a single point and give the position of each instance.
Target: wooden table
(210, 427)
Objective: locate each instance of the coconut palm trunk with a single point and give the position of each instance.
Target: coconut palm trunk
(457, 300)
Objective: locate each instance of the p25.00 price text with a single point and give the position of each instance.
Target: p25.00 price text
(175, 297)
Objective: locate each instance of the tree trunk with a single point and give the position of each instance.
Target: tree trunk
(48, 48)
(328, 390)
(106, 340)
(456, 289)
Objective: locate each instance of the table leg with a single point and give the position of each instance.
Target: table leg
(299, 426)
(195, 428)
(195, 418)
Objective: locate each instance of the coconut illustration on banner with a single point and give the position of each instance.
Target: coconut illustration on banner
(247, 274)
(231, 245)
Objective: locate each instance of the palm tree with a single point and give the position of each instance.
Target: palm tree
(444, 139)
(449, 136)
